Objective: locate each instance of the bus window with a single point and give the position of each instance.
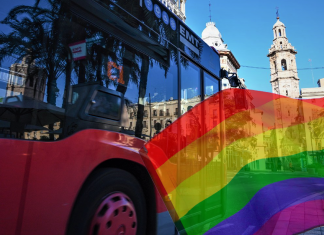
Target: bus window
(211, 85)
(190, 86)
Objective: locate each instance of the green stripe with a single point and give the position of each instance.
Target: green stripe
(238, 192)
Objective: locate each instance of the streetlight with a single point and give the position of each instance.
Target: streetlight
(310, 127)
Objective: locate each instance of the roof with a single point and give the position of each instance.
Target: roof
(278, 24)
(231, 57)
(211, 31)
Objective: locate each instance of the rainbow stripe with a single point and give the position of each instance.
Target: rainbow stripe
(238, 159)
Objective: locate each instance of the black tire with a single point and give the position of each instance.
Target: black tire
(99, 187)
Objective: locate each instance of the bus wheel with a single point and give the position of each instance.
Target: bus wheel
(111, 203)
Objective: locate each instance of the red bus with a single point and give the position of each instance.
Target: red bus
(84, 84)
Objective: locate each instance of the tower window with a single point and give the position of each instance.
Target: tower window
(283, 65)
(286, 92)
(279, 32)
(275, 66)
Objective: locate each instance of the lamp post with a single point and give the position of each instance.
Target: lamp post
(310, 127)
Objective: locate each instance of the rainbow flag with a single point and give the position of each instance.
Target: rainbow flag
(242, 162)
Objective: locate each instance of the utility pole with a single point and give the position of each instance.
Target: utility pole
(310, 61)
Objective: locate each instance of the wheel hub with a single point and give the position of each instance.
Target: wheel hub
(114, 216)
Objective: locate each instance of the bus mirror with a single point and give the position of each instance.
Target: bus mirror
(234, 81)
(223, 73)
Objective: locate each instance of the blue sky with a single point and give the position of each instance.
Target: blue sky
(246, 27)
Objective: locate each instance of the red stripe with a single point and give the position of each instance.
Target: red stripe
(182, 132)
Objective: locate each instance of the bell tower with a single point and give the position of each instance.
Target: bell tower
(282, 55)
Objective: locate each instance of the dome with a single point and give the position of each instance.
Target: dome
(278, 24)
(211, 31)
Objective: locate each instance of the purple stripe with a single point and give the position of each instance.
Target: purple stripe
(269, 201)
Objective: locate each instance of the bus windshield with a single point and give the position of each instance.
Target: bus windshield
(65, 73)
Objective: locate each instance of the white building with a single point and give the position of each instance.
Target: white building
(315, 92)
(173, 6)
(282, 55)
(228, 62)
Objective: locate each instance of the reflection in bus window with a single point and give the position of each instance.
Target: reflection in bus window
(190, 86)
(211, 85)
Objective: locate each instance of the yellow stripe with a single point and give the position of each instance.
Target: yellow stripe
(202, 185)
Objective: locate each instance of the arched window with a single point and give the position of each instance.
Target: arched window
(279, 32)
(275, 66)
(283, 65)
(281, 45)
(276, 33)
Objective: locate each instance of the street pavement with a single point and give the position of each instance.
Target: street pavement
(315, 231)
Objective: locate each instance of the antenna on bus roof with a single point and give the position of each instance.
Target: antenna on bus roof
(277, 13)
(209, 11)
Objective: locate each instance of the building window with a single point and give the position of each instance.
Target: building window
(283, 65)
(167, 112)
(144, 124)
(161, 122)
(286, 92)
(130, 125)
(161, 112)
(154, 113)
(275, 66)
(279, 32)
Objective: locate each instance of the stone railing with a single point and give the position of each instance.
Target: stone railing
(281, 47)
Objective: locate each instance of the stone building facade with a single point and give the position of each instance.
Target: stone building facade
(213, 38)
(315, 92)
(173, 6)
(26, 79)
(282, 55)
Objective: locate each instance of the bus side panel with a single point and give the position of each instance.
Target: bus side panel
(59, 169)
(13, 173)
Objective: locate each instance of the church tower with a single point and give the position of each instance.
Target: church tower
(282, 55)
